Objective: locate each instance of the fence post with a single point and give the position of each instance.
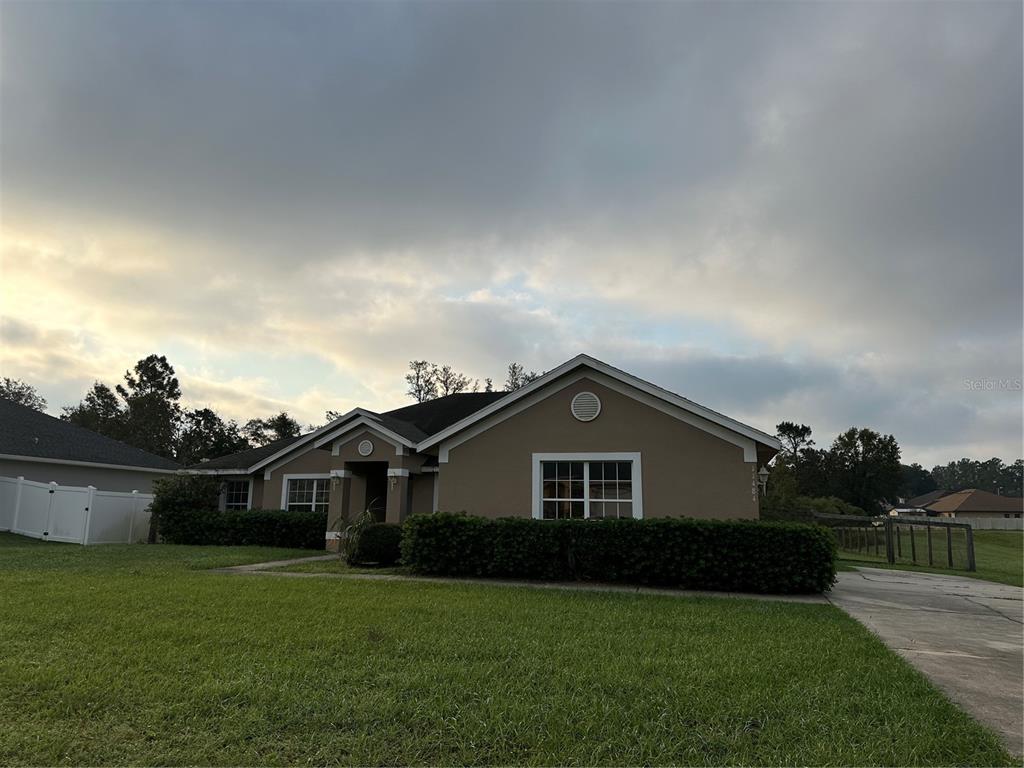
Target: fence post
(49, 511)
(971, 565)
(17, 504)
(913, 544)
(131, 519)
(930, 561)
(890, 555)
(91, 491)
(949, 545)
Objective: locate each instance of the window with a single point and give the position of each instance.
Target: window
(236, 494)
(586, 486)
(307, 494)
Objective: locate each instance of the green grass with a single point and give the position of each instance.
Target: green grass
(999, 556)
(118, 655)
(337, 566)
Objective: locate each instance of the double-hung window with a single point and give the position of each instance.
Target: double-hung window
(583, 486)
(236, 494)
(307, 494)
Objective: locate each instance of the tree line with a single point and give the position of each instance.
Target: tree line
(862, 468)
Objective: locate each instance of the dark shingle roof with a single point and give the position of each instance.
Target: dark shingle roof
(413, 422)
(434, 415)
(245, 459)
(925, 498)
(26, 432)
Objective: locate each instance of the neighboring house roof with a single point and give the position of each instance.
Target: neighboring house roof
(973, 500)
(28, 434)
(923, 500)
(423, 425)
(245, 459)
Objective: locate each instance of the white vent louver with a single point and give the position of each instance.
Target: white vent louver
(586, 406)
(365, 448)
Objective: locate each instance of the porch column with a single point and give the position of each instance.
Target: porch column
(338, 508)
(398, 496)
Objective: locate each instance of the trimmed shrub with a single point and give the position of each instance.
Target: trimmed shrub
(803, 508)
(234, 527)
(730, 555)
(180, 492)
(377, 543)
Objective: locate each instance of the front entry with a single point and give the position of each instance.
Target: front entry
(376, 488)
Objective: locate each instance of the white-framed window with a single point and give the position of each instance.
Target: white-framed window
(587, 485)
(306, 493)
(237, 494)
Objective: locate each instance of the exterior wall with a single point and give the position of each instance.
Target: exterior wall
(686, 471)
(422, 494)
(72, 474)
(314, 462)
(976, 515)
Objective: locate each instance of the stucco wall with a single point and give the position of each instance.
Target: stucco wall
(71, 474)
(314, 462)
(686, 471)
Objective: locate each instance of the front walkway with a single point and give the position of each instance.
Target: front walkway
(964, 634)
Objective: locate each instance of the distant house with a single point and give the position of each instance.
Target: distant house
(41, 448)
(973, 503)
(585, 440)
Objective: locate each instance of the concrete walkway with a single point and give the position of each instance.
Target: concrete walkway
(966, 635)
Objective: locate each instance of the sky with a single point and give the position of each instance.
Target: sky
(806, 212)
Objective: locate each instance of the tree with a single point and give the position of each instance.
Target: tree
(916, 481)
(260, 432)
(151, 394)
(518, 377)
(205, 435)
(330, 416)
(488, 385)
(794, 438)
(421, 381)
(864, 468)
(22, 393)
(100, 411)
(993, 475)
(448, 381)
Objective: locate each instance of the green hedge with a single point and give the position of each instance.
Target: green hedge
(259, 527)
(379, 544)
(742, 556)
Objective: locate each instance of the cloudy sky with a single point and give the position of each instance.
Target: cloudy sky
(800, 211)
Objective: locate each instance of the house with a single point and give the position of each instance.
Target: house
(41, 448)
(973, 503)
(585, 440)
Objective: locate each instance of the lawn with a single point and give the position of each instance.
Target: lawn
(999, 556)
(134, 655)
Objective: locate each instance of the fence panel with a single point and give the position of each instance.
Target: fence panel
(8, 500)
(118, 517)
(909, 540)
(32, 514)
(993, 523)
(72, 514)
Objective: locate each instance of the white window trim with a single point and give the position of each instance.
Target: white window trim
(637, 478)
(300, 476)
(224, 495)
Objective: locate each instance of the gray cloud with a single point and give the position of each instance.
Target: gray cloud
(832, 192)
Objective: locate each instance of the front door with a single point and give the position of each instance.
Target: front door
(377, 490)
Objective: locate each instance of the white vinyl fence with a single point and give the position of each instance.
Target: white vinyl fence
(71, 514)
(993, 523)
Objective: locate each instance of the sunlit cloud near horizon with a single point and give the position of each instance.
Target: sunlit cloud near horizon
(804, 212)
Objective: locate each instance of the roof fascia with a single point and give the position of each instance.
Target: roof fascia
(78, 463)
(360, 412)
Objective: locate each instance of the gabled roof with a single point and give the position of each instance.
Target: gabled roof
(413, 423)
(27, 433)
(924, 499)
(422, 425)
(245, 459)
(973, 500)
(586, 361)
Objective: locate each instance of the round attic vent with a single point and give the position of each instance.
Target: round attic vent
(365, 448)
(586, 406)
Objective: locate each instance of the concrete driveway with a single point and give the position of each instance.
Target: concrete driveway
(966, 635)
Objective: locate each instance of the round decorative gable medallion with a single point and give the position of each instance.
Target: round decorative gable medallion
(586, 406)
(365, 447)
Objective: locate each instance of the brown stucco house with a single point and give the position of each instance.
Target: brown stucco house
(584, 440)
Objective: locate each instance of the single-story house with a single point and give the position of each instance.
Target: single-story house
(585, 440)
(39, 447)
(973, 503)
